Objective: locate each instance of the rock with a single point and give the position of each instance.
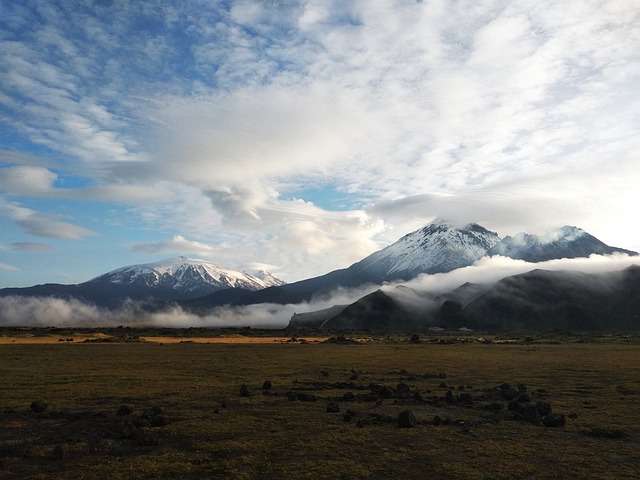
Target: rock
(529, 413)
(523, 398)
(146, 439)
(349, 415)
(493, 406)
(386, 392)
(406, 419)
(37, 406)
(403, 387)
(465, 398)
(510, 394)
(306, 397)
(333, 407)
(124, 410)
(437, 420)
(415, 338)
(128, 429)
(543, 408)
(450, 397)
(266, 385)
(554, 420)
(522, 387)
(361, 423)
(245, 391)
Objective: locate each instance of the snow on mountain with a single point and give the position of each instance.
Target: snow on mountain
(192, 277)
(438, 247)
(268, 278)
(565, 242)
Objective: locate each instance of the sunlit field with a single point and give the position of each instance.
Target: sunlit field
(106, 404)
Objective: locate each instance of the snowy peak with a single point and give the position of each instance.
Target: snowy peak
(565, 242)
(191, 277)
(435, 248)
(266, 277)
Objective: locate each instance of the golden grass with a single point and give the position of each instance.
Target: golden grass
(213, 432)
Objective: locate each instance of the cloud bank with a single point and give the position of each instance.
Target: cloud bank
(40, 311)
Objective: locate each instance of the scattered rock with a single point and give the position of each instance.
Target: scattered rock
(415, 338)
(245, 391)
(493, 406)
(38, 406)
(362, 422)
(403, 387)
(146, 439)
(406, 419)
(124, 410)
(437, 420)
(266, 385)
(543, 408)
(466, 399)
(529, 413)
(333, 407)
(349, 415)
(554, 420)
(450, 397)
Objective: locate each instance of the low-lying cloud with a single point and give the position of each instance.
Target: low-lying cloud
(55, 312)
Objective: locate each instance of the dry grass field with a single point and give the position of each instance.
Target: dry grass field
(115, 409)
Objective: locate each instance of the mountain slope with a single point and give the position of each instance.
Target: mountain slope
(536, 300)
(165, 281)
(436, 248)
(541, 299)
(190, 277)
(565, 242)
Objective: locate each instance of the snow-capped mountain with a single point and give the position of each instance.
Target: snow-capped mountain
(191, 277)
(565, 242)
(436, 248)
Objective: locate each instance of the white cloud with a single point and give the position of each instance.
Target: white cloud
(42, 225)
(519, 116)
(8, 268)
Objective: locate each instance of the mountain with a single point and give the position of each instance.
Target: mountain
(565, 242)
(188, 277)
(541, 300)
(436, 248)
(167, 280)
(533, 301)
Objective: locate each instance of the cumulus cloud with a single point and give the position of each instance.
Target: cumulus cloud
(519, 116)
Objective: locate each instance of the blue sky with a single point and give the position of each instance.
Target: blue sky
(301, 136)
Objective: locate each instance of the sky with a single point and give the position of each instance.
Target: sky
(301, 136)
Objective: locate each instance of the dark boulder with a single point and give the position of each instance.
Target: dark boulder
(124, 410)
(554, 420)
(37, 406)
(406, 419)
(543, 408)
(245, 391)
(333, 407)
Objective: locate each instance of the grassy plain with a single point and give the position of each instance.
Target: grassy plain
(186, 399)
